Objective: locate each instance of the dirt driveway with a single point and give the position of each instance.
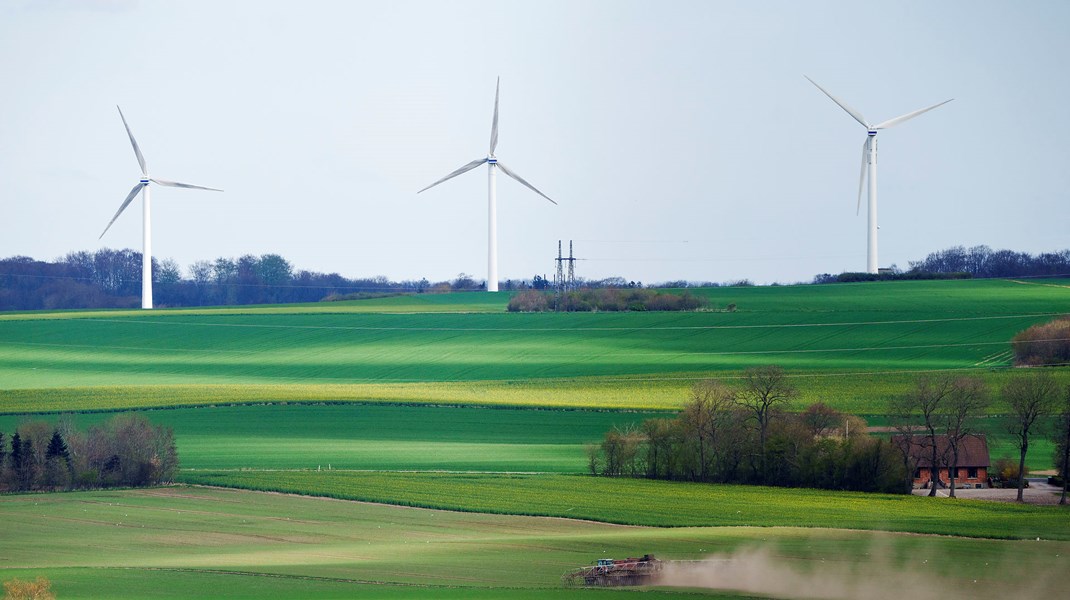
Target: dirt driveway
(1038, 492)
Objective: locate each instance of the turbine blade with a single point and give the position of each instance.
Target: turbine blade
(862, 175)
(133, 142)
(183, 185)
(521, 180)
(494, 124)
(475, 163)
(854, 113)
(909, 116)
(129, 198)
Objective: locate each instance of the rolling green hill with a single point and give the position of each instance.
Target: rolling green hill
(385, 392)
(851, 334)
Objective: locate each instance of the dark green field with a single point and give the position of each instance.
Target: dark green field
(448, 401)
(903, 326)
(351, 436)
(392, 437)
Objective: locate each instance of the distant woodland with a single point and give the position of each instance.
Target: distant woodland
(112, 279)
(959, 262)
(126, 450)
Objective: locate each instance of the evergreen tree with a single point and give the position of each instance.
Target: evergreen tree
(57, 448)
(16, 452)
(58, 469)
(23, 468)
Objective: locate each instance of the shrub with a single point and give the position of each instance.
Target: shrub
(38, 589)
(1005, 472)
(528, 301)
(607, 299)
(1046, 344)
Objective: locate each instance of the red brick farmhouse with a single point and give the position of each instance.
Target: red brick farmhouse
(972, 465)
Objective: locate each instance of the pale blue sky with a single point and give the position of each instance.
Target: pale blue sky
(680, 139)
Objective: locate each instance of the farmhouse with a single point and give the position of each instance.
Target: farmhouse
(973, 461)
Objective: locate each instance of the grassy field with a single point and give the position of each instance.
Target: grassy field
(378, 437)
(851, 346)
(389, 387)
(201, 542)
(180, 543)
(661, 503)
(905, 326)
(414, 437)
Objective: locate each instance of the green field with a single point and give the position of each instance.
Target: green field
(661, 503)
(352, 436)
(448, 401)
(415, 437)
(851, 346)
(201, 542)
(906, 326)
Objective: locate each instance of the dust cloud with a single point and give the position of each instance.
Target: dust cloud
(874, 576)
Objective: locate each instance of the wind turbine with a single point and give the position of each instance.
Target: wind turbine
(869, 166)
(146, 224)
(492, 203)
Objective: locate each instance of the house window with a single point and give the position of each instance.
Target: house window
(917, 473)
(971, 472)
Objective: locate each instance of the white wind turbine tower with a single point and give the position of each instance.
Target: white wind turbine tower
(492, 218)
(146, 224)
(869, 166)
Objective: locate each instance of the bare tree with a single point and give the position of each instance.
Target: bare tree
(592, 451)
(1062, 442)
(1029, 397)
(621, 451)
(967, 401)
(765, 389)
(704, 417)
(922, 407)
(820, 419)
(39, 433)
(660, 437)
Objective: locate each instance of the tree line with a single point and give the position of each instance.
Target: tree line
(959, 262)
(982, 261)
(126, 450)
(744, 434)
(112, 279)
